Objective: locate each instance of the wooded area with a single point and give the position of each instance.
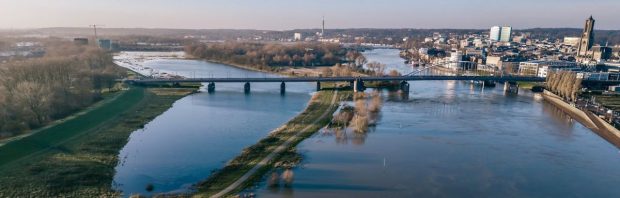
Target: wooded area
(267, 56)
(35, 91)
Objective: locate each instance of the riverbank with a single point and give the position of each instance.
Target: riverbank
(277, 148)
(588, 119)
(107, 98)
(76, 158)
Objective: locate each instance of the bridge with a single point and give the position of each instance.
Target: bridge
(356, 82)
(340, 79)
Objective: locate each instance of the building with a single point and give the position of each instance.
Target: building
(80, 41)
(493, 60)
(457, 61)
(507, 64)
(600, 76)
(600, 53)
(466, 66)
(541, 68)
(502, 34)
(506, 34)
(587, 39)
(572, 41)
(456, 56)
(105, 44)
(474, 52)
(297, 37)
(465, 43)
(495, 33)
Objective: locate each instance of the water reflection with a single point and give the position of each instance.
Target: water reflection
(397, 96)
(449, 139)
(201, 132)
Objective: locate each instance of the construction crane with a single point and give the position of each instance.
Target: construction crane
(95, 28)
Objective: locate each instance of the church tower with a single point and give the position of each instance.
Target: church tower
(587, 39)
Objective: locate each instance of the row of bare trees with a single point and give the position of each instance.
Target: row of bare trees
(262, 54)
(337, 70)
(36, 91)
(374, 69)
(366, 112)
(564, 83)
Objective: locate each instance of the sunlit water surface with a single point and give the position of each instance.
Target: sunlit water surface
(456, 139)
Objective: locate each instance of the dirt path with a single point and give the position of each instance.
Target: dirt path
(273, 154)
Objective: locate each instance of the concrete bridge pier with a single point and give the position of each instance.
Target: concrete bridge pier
(246, 88)
(511, 87)
(211, 87)
(358, 85)
(318, 85)
(488, 83)
(282, 88)
(404, 87)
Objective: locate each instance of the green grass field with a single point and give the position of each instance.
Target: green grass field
(527, 85)
(50, 138)
(76, 158)
(611, 101)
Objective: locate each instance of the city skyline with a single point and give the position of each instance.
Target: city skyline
(305, 14)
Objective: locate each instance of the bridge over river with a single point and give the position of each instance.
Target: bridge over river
(357, 82)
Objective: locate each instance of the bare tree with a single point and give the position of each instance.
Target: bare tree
(360, 61)
(34, 98)
(377, 68)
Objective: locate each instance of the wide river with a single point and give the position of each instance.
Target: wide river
(446, 139)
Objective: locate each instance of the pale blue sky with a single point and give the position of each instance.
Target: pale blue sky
(292, 14)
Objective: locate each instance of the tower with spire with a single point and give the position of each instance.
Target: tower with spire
(587, 38)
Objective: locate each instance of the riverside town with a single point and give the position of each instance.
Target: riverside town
(309, 98)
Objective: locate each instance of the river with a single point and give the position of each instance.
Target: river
(201, 132)
(454, 139)
(446, 139)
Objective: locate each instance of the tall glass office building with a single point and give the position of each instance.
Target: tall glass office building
(501, 33)
(495, 33)
(505, 34)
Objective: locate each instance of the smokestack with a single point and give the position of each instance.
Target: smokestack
(323, 28)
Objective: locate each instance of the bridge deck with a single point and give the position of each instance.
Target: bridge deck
(345, 79)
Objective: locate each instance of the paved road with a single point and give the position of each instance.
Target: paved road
(265, 161)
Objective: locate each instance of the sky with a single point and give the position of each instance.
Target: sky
(305, 14)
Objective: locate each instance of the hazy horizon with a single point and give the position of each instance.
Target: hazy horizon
(306, 14)
(352, 28)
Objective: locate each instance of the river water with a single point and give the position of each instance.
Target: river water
(445, 139)
(454, 139)
(203, 131)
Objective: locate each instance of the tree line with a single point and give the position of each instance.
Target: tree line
(564, 83)
(35, 91)
(270, 55)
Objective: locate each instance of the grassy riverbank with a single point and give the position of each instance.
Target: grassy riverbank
(310, 119)
(76, 158)
(528, 85)
(609, 101)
